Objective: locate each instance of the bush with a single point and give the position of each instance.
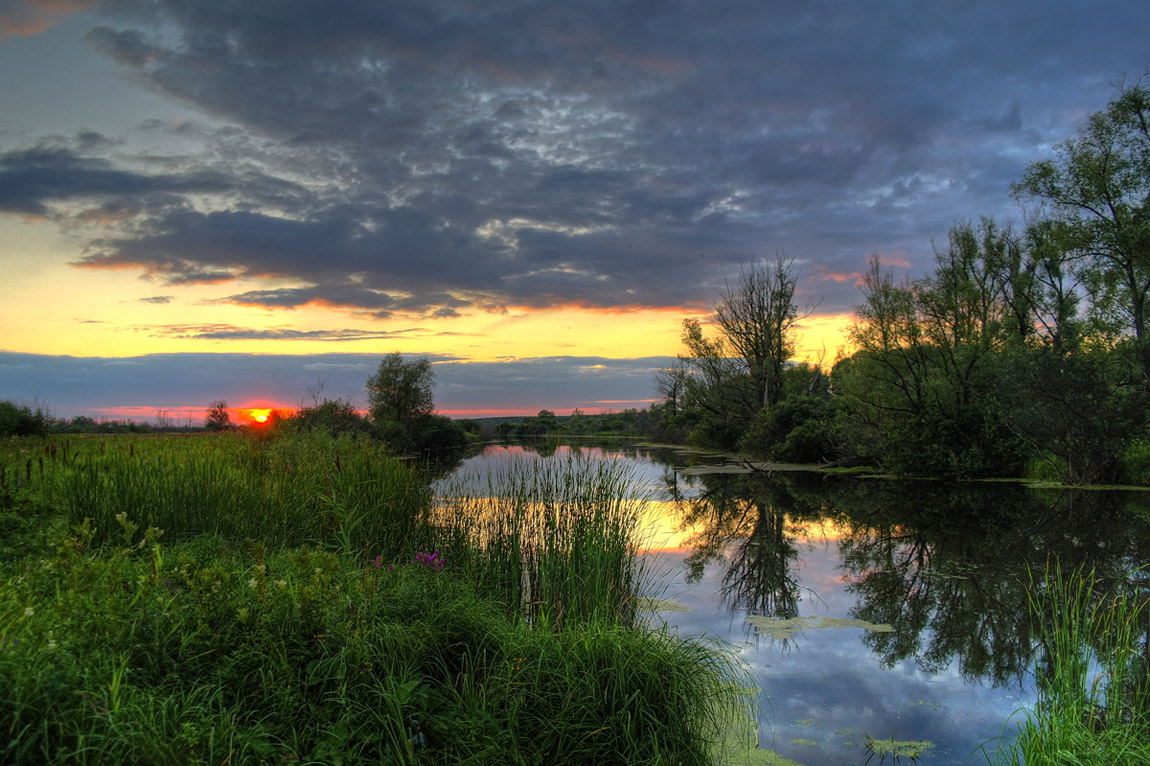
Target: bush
(809, 442)
(440, 434)
(1135, 460)
(770, 431)
(336, 416)
(21, 420)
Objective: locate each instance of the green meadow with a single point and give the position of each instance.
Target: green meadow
(228, 599)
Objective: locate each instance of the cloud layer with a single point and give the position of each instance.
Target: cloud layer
(435, 158)
(137, 387)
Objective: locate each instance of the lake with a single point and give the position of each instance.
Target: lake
(864, 607)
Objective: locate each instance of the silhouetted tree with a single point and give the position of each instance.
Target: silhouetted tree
(218, 418)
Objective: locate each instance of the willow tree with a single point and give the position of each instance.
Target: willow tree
(923, 379)
(726, 378)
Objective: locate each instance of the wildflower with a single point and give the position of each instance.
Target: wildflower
(252, 583)
(281, 584)
(429, 560)
(29, 611)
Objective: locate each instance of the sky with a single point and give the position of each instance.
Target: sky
(247, 200)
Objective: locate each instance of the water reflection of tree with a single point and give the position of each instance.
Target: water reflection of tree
(948, 566)
(745, 522)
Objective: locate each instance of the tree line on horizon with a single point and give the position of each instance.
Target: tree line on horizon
(1021, 353)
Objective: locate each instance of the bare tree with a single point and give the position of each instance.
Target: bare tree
(757, 316)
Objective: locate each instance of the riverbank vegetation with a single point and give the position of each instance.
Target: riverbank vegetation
(221, 598)
(1023, 353)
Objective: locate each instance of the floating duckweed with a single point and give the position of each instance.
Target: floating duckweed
(895, 748)
(781, 628)
(661, 605)
(801, 741)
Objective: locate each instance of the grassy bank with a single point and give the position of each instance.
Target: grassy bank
(225, 600)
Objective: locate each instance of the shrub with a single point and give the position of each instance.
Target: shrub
(21, 420)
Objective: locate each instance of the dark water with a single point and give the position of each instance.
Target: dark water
(946, 566)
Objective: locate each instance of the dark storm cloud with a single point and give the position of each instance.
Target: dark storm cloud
(68, 385)
(30, 179)
(590, 153)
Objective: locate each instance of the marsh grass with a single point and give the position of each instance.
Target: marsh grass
(284, 615)
(554, 539)
(342, 492)
(1093, 677)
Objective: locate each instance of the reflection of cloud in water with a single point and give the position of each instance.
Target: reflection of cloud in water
(828, 687)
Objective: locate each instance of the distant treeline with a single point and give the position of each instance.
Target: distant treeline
(18, 419)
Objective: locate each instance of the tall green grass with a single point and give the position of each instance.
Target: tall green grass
(554, 539)
(1092, 674)
(342, 492)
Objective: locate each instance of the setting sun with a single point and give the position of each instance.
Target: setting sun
(259, 416)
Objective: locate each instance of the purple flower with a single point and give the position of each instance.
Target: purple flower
(429, 560)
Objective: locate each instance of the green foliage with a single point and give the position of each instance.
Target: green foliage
(338, 417)
(400, 398)
(122, 643)
(923, 388)
(1098, 189)
(438, 434)
(21, 420)
(794, 431)
(1135, 463)
(1071, 410)
(310, 487)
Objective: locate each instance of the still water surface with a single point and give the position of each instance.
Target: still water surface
(942, 568)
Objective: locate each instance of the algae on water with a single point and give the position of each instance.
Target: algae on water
(661, 605)
(782, 627)
(896, 749)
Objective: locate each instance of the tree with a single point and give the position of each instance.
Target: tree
(720, 383)
(218, 418)
(336, 416)
(401, 391)
(21, 420)
(1098, 191)
(401, 399)
(921, 387)
(756, 316)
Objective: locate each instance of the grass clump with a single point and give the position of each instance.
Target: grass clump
(1093, 675)
(555, 540)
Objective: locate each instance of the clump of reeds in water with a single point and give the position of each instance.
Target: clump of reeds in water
(556, 540)
(1092, 672)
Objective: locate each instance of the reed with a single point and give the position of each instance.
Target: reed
(1092, 674)
(199, 652)
(555, 539)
